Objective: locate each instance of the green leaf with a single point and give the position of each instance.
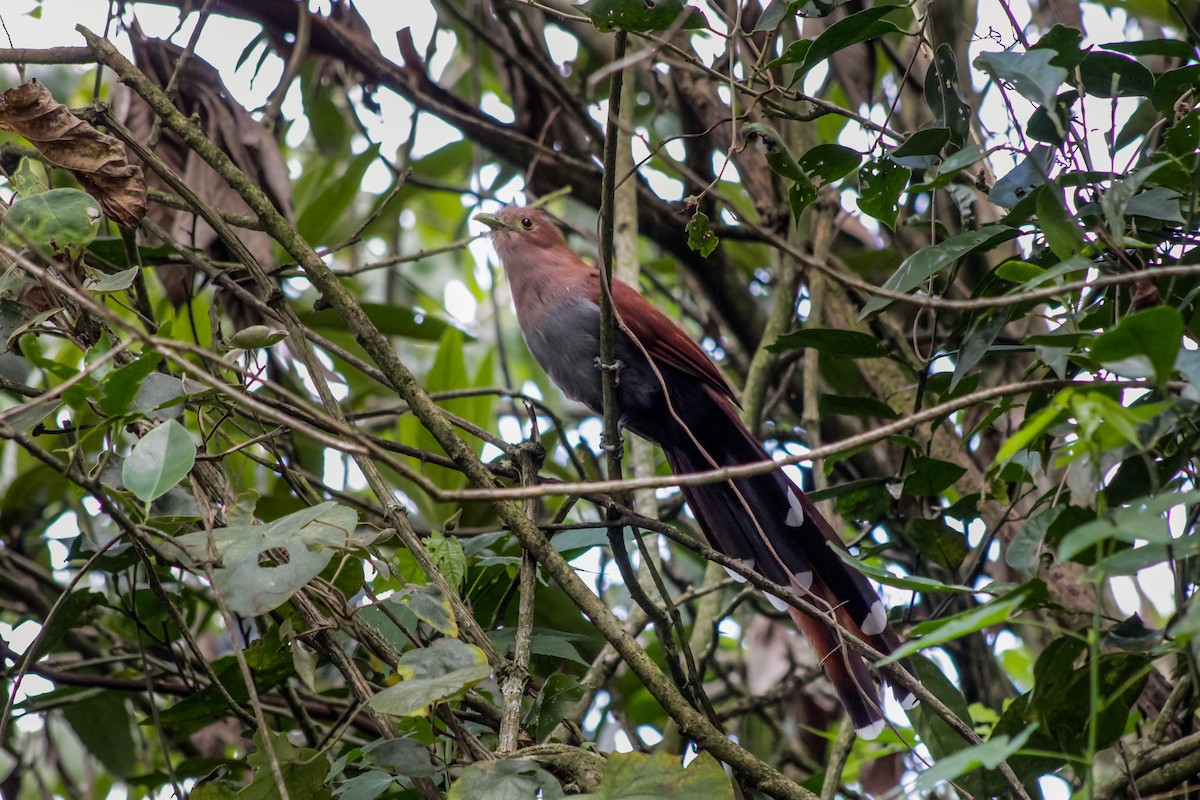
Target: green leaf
(334, 200)
(60, 221)
(943, 173)
(921, 150)
(555, 702)
(1172, 85)
(1049, 122)
(1030, 73)
(1112, 75)
(252, 580)
(938, 542)
(936, 632)
(860, 27)
(101, 721)
(1171, 48)
(447, 555)
(159, 461)
(880, 184)
(1064, 44)
(854, 406)
(988, 755)
(1062, 234)
(826, 163)
(543, 642)
(121, 386)
(402, 757)
(1151, 337)
(364, 786)
(942, 740)
(978, 341)
(700, 237)
(638, 16)
(505, 780)
(116, 282)
(637, 776)
(432, 675)
(389, 320)
(931, 476)
(1115, 201)
(428, 604)
(943, 96)
(848, 344)
(1021, 180)
(928, 261)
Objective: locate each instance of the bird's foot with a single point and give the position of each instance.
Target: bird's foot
(615, 445)
(615, 368)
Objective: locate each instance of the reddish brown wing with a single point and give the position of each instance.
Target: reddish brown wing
(665, 341)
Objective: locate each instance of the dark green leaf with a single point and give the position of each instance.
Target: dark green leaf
(1001, 609)
(922, 149)
(856, 407)
(1049, 122)
(942, 740)
(928, 261)
(848, 344)
(390, 320)
(1171, 48)
(700, 237)
(555, 702)
(1062, 233)
(402, 757)
(1065, 44)
(938, 542)
(335, 199)
(943, 96)
(1173, 85)
(826, 163)
(1150, 337)
(101, 721)
(931, 476)
(638, 776)
(1112, 75)
(880, 184)
(860, 27)
(639, 16)
(122, 384)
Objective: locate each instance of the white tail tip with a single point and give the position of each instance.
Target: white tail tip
(871, 731)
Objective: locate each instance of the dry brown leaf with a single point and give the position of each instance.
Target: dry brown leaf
(96, 159)
(201, 94)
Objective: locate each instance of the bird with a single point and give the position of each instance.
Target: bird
(670, 392)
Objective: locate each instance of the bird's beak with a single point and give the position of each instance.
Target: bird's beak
(492, 221)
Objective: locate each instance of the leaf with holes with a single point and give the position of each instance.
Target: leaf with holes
(258, 567)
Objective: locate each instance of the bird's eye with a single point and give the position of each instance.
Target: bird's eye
(527, 223)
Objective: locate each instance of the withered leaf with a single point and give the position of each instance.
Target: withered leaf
(96, 159)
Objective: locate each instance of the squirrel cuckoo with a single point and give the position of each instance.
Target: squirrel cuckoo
(670, 392)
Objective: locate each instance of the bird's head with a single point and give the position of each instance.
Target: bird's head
(517, 230)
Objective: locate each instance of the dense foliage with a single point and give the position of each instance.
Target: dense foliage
(266, 416)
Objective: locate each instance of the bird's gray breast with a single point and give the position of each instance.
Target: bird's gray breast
(565, 340)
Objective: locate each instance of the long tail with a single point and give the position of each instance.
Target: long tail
(767, 521)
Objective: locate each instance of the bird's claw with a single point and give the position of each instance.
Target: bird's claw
(615, 368)
(616, 447)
